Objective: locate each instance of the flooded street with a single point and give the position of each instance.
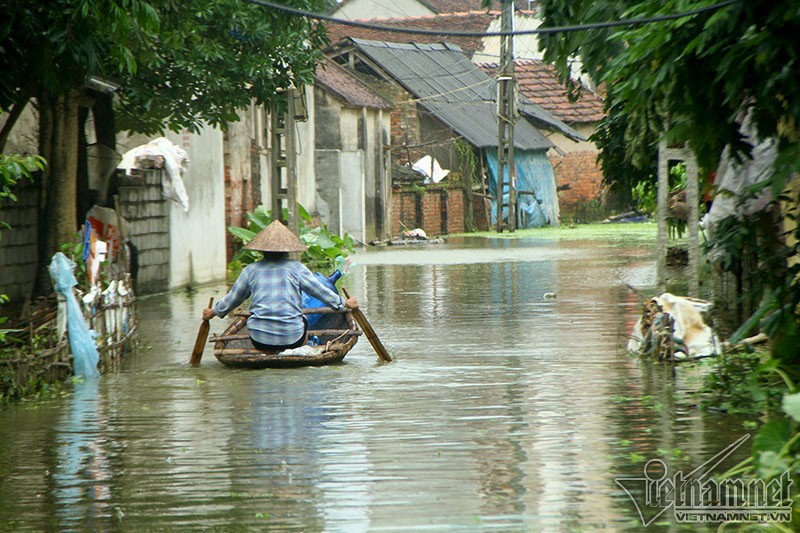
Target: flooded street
(511, 406)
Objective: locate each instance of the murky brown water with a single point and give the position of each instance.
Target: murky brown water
(504, 410)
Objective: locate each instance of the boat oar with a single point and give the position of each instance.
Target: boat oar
(376, 343)
(200, 341)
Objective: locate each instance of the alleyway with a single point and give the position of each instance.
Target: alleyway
(511, 405)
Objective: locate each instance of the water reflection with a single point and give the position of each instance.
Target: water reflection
(82, 476)
(504, 410)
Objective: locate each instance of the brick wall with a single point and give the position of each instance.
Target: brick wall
(146, 210)
(18, 253)
(582, 173)
(439, 210)
(404, 122)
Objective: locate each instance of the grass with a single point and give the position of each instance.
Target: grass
(643, 231)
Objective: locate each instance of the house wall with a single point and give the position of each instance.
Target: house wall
(18, 250)
(369, 9)
(146, 211)
(246, 170)
(525, 46)
(352, 191)
(238, 176)
(568, 145)
(579, 169)
(197, 237)
(438, 210)
(405, 126)
(582, 173)
(306, 159)
(24, 137)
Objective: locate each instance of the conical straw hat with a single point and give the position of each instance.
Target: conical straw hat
(276, 238)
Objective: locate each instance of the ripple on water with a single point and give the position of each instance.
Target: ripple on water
(503, 411)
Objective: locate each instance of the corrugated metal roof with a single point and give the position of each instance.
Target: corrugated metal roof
(451, 87)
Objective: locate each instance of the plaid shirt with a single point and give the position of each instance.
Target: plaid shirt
(275, 300)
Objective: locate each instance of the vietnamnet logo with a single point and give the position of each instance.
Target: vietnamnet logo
(697, 497)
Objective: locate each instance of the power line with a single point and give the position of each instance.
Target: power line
(540, 30)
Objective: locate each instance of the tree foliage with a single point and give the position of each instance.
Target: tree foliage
(212, 58)
(178, 65)
(693, 77)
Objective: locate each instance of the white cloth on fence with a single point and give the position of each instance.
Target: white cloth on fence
(176, 161)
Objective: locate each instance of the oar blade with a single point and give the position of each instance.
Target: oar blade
(366, 327)
(200, 341)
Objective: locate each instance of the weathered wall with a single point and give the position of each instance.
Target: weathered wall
(18, 252)
(305, 143)
(525, 46)
(146, 210)
(24, 137)
(369, 9)
(197, 252)
(439, 210)
(246, 169)
(582, 173)
(352, 185)
(238, 174)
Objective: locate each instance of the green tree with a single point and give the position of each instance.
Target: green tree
(694, 77)
(178, 64)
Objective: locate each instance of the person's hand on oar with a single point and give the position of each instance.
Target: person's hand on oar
(351, 303)
(209, 313)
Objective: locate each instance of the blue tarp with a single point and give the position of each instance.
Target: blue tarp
(534, 173)
(81, 342)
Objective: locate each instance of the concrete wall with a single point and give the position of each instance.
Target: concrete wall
(18, 251)
(197, 237)
(246, 170)
(525, 46)
(146, 210)
(352, 184)
(24, 137)
(568, 145)
(370, 9)
(306, 173)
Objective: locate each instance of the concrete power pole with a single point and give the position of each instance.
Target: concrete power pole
(506, 116)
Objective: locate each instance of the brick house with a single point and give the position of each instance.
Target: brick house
(577, 171)
(439, 97)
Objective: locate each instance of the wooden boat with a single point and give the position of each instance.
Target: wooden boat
(336, 332)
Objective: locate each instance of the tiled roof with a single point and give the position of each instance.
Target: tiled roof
(540, 84)
(347, 87)
(473, 21)
(451, 87)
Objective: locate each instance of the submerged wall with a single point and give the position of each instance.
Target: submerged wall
(437, 209)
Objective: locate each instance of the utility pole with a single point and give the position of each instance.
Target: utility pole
(506, 116)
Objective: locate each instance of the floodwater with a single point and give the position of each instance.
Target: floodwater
(506, 409)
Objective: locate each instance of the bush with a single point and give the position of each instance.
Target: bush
(324, 248)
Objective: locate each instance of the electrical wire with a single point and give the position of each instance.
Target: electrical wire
(537, 31)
